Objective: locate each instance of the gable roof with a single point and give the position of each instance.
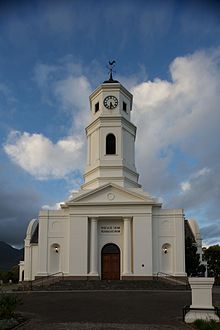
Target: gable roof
(111, 193)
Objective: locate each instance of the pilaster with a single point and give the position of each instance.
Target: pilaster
(93, 247)
(127, 247)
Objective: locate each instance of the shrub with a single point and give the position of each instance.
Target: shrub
(217, 304)
(8, 303)
(207, 325)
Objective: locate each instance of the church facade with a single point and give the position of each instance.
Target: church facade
(111, 228)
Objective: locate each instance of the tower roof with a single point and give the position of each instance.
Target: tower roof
(110, 81)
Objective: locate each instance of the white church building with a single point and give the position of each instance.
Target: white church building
(111, 228)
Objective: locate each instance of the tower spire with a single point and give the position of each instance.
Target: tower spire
(110, 67)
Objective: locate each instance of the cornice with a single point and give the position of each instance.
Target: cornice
(107, 119)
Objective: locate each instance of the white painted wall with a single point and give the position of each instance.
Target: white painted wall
(43, 243)
(78, 245)
(142, 245)
(168, 228)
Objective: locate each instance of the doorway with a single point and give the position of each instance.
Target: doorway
(110, 262)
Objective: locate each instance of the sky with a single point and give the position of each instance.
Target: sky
(53, 54)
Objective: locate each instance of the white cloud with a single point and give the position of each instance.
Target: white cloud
(177, 121)
(43, 73)
(177, 147)
(193, 179)
(65, 86)
(7, 94)
(43, 159)
(185, 186)
(58, 18)
(73, 92)
(178, 154)
(55, 206)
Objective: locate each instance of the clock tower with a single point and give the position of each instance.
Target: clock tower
(111, 228)
(110, 138)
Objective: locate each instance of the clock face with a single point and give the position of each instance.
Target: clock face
(110, 102)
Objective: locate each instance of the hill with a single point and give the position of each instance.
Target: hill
(9, 256)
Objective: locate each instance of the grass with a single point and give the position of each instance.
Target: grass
(217, 304)
(8, 303)
(8, 318)
(206, 325)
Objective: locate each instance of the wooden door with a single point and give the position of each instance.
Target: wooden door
(110, 262)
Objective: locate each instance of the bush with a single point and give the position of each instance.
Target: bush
(12, 274)
(217, 304)
(206, 325)
(8, 304)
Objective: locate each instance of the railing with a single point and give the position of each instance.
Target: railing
(44, 280)
(171, 278)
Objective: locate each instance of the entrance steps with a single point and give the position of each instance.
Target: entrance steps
(68, 285)
(172, 279)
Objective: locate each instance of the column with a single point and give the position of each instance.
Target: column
(93, 247)
(28, 261)
(127, 247)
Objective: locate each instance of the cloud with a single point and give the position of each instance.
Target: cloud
(185, 186)
(6, 94)
(56, 206)
(18, 207)
(65, 84)
(178, 128)
(177, 145)
(154, 23)
(74, 92)
(211, 233)
(59, 18)
(196, 191)
(41, 158)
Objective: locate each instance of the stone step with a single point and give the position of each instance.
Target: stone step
(110, 285)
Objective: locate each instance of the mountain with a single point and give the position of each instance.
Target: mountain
(9, 256)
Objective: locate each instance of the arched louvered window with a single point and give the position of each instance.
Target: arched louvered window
(110, 144)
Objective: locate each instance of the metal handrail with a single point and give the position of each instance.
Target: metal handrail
(44, 279)
(166, 274)
(170, 277)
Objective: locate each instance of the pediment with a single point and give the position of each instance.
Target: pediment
(111, 193)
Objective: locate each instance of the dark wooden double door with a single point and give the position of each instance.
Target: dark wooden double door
(110, 262)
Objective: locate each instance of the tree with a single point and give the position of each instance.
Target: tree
(12, 274)
(212, 255)
(192, 258)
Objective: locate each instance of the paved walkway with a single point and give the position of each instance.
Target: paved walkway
(35, 325)
(104, 310)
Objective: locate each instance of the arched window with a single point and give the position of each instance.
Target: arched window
(110, 144)
(166, 259)
(54, 258)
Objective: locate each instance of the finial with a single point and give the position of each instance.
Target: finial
(110, 67)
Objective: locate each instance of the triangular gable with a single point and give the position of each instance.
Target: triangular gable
(111, 193)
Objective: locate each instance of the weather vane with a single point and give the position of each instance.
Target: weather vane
(110, 66)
